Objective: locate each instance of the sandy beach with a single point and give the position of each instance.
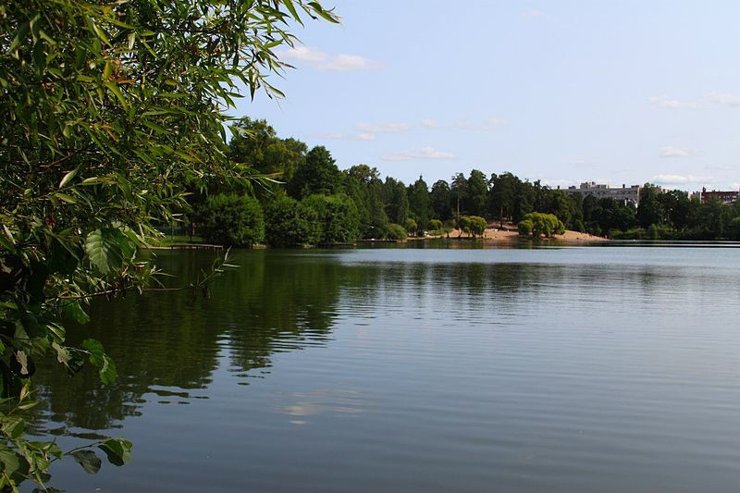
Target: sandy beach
(511, 235)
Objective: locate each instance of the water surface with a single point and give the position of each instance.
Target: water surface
(415, 370)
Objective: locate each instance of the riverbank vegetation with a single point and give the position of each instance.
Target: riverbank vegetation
(355, 203)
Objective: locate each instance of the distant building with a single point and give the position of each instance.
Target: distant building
(726, 198)
(624, 194)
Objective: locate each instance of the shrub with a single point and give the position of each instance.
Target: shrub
(337, 216)
(477, 225)
(525, 227)
(543, 224)
(434, 225)
(289, 223)
(734, 229)
(396, 232)
(410, 226)
(231, 220)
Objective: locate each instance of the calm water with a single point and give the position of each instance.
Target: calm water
(416, 370)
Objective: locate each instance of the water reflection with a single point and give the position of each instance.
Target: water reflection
(167, 345)
(530, 369)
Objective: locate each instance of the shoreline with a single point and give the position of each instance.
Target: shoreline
(495, 235)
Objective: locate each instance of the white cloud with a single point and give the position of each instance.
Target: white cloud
(680, 179)
(423, 153)
(383, 127)
(368, 131)
(343, 62)
(724, 99)
(710, 99)
(325, 61)
(486, 125)
(346, 136)
(534, 13)
(666, 102)
(671, 151)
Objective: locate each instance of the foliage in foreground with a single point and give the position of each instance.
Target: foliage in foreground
(109, 109)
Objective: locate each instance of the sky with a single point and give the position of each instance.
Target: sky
(617, 92)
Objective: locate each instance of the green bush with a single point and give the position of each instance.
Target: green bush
(396, 232)
(434, 225)
(543, 224)
(337, 216)
(630, 234)
(525, 227)
(289, 223)
(477, 225)
(410, 226)
(734, 230)
(231, 220)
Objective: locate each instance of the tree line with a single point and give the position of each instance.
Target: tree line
(305, 199)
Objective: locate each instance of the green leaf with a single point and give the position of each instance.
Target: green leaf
(13, 426)
(10, 461)
(107, 248)
(113, 87)
(100, 360)
(118, 451)
(100, 34)
(57, 330)
(66, 179)
(95, 180)
(75, 312)
(66, 198)
(88, 459)
(19, 37)
(293, 12)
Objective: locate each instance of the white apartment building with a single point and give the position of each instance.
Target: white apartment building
(623, 193)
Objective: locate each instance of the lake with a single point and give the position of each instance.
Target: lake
(575, 369)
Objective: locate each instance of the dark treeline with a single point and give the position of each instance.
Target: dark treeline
(307, 199)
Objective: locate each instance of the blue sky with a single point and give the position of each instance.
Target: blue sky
(562, 91)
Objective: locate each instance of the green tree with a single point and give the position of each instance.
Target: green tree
(419, 202)
(459, 191)
(540, 223)
(256, 144)
(525, 227)
(231, 220)
(395, 200)
(318, 175)
(109, 108)
(411, 226)
(650, 211)
(714, 219)
(477, 194)
(337, 216)
(503, 195)
(396, 232)
(441, 200)
(364, 186)
(289, 223)
(476, 225)
(734, 229)
(434, 225)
